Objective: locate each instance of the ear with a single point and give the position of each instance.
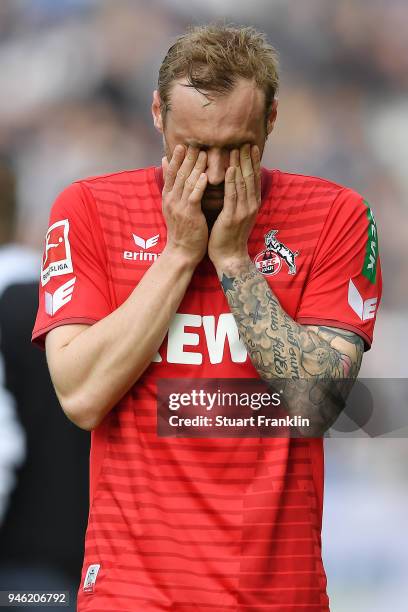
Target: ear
(156, 112)
(272, 117)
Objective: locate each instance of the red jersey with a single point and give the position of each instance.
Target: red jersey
(184, 524)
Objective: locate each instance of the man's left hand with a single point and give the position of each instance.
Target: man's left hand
(228, 242)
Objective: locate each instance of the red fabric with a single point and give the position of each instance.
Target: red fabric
(338, 259)
(193, 524)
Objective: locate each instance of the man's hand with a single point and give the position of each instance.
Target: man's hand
(229, 236)
(184, 185)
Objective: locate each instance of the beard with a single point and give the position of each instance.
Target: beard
(213, 198)
(212, 203)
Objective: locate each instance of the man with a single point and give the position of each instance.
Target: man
(188, 524)
(52, 483)
(17, 263)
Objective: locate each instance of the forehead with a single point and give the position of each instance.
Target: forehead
(235, 117)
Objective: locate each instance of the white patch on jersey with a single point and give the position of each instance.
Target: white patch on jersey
(364, 309)
(177, 338)
(227, 328)
(218, 331)
(146, 244)
(57, 252)
(62, 295)
(90, 577)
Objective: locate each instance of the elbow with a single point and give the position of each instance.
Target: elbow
(315, 431)
(84, 423)
(81, 412)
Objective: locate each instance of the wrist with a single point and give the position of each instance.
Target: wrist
(233, 265)
(179, 258)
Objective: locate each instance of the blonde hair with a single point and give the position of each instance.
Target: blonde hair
(213, 57)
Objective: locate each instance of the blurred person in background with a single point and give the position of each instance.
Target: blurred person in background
(17, 263)
(43, 459)
(41, 538)
(131, 260)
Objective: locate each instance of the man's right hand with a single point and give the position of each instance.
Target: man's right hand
(184, 185)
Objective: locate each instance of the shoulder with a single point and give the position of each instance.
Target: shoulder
(109, 193)
(120, 179)
(309, 183)
(84, 194)
(314, 190)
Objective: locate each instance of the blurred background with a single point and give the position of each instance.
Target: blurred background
(76, 83)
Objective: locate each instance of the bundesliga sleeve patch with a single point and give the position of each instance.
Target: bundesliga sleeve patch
(57, 253)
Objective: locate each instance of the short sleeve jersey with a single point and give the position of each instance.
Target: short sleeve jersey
(192, 524)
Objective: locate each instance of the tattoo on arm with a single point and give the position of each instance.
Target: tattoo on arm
(318, 363)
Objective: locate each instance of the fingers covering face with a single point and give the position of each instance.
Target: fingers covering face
(184, 171)
(183, 174)
(195, 173)
(230, 191)
(170, 169)
(256, 164)
(242, 179)
(247, 179)
(249, 171)
(197, 193)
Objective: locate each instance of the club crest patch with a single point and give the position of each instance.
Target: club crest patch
(269, 261)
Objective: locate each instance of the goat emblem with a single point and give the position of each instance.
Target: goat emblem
(269, 261)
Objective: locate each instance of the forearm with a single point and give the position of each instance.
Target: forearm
(304, 359)
(98, 366)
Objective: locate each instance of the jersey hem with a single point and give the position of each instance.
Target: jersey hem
(38, 337)
(339, 324)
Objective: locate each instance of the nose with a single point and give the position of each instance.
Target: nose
(217, 163)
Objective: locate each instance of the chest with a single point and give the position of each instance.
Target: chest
(203, 331)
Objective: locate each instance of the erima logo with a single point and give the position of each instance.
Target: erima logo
(364, 309)
(145, 245)
(55, 301)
